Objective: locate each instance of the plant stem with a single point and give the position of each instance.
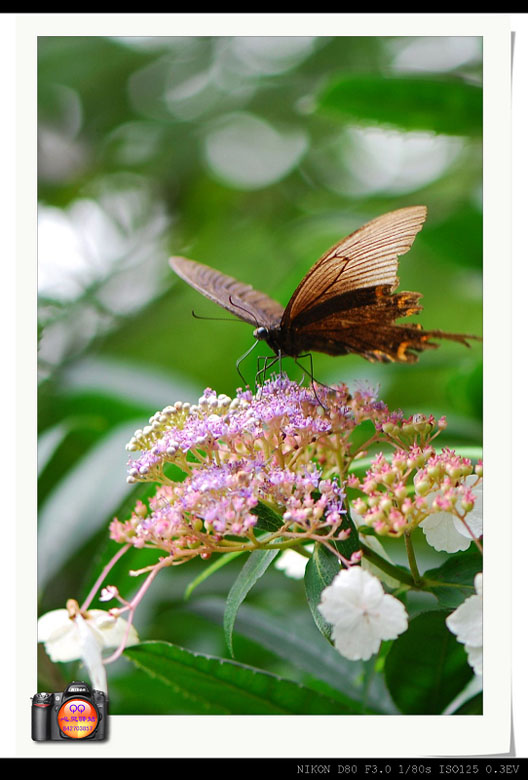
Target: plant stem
(397, 572)
(412, 558)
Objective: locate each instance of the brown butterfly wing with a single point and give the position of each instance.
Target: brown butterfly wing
(368, 329)
(238, 298)
(345, 303)
(366, 258)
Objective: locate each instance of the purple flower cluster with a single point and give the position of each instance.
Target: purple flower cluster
(287, 450)
(284, 447)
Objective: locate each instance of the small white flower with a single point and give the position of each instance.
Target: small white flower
(69, 635)
(361, 613)
(466, 624)
(445, 532)
(108, 593)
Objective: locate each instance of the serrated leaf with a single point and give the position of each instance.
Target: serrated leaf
(216, 686)
(296, 640)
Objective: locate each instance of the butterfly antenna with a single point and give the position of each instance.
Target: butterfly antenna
(238, 306)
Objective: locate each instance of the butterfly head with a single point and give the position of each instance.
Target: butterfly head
(261, 333)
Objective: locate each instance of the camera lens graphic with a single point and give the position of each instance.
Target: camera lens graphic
(77, 718)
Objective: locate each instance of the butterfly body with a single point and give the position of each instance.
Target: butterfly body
(346, 303)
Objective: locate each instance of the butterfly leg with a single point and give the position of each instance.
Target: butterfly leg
(262, 363)
(269, 361)
(310, 374)
(240, 359)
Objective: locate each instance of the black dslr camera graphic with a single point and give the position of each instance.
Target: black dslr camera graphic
(76, 713)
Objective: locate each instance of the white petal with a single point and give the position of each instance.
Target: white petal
(466, 621)
(91, 653)
(358, 646)
(361, 613)
(474, 658)
(111, 629)
(59, 634)
(56, 621)
(478, 583)
(372, 591)
(336, 606)
(441, 533)
(66, 639)
(391, 619)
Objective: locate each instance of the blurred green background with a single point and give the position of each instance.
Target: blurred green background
(252, 155)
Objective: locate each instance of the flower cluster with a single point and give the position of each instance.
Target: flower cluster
(292, 451)
(290, 468)
(282, 423)
(418, 486)
(284, 448)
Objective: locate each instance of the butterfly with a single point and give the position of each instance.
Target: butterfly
(346, 303)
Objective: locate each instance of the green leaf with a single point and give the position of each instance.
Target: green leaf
(351, 544)
(449, 106)
(216, 686)
(253, 569)
(458, 571)
(268, 519)
(320, 571)
(295, 639)
(426, 667)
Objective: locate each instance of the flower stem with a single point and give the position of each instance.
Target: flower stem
(99, 581)
(411, 557)
(397, 572)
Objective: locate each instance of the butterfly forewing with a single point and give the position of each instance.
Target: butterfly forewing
(366, 258)
(240, 299)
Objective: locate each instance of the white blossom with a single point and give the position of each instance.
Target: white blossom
(361, 613)
(445, 532)
(466, 623)
(69, 635)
